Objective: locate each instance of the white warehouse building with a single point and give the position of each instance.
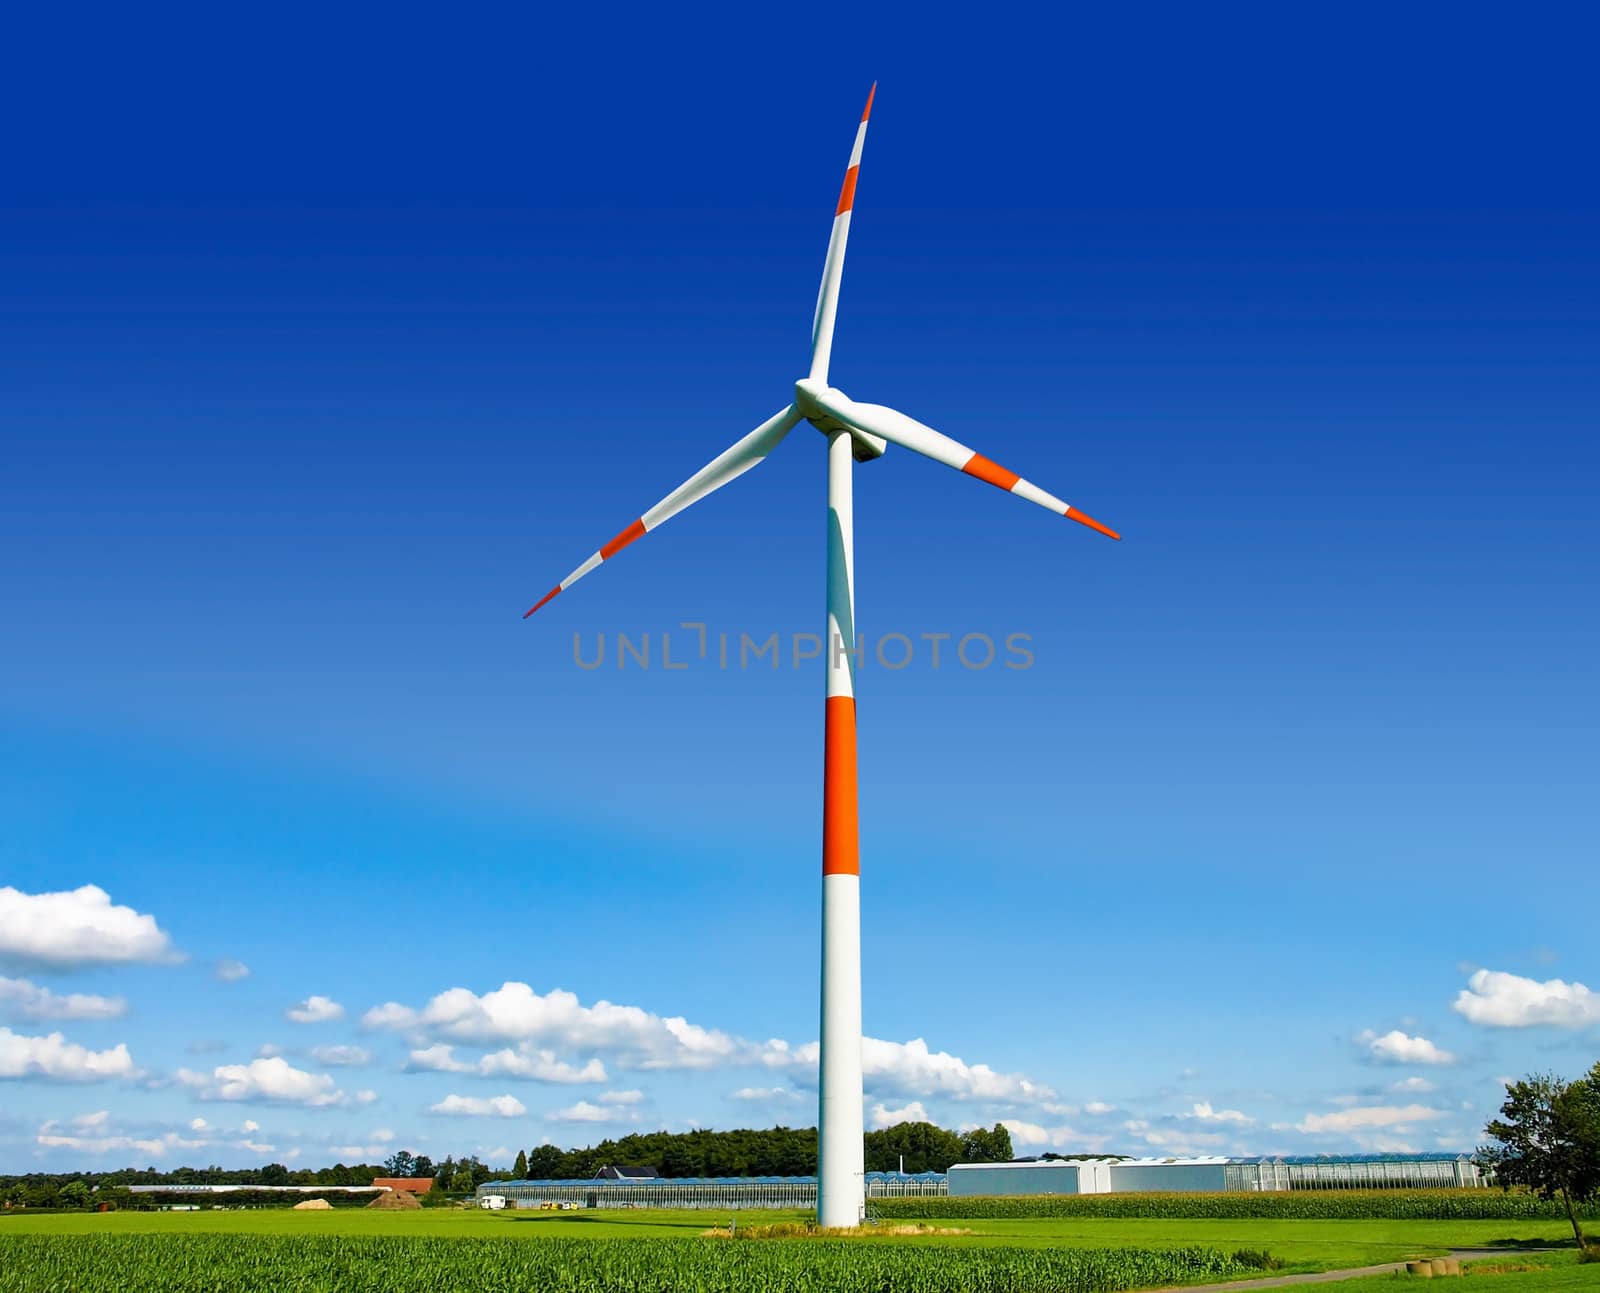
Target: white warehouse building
(1215, 1175)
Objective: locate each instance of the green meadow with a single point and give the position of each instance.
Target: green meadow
(1081, 1253)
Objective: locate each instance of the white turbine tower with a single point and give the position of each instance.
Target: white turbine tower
(855, 432)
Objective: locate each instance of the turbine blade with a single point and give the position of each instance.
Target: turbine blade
(833, 266)
(895, 427)
(733, 462)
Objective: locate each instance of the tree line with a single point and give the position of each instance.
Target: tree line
(772, 1151)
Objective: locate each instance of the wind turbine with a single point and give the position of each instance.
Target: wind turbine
(859, 433)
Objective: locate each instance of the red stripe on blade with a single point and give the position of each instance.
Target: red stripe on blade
(634, 531)
(867, 111)
(541, 601)
(847, 195)
(1083, 518)
(985, 469)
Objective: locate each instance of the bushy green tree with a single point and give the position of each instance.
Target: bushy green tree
(922, 1146)
(520, 1169)
(401, 1163)
(992, 1146)
(1547, 1138)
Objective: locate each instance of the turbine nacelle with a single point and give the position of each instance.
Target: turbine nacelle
(809, 397)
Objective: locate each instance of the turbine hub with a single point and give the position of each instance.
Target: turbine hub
(808, 396)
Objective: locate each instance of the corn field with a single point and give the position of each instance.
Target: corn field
(1294, 1205)
(314, 1264)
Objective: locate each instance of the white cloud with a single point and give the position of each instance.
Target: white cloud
(514, 1012)
(539, 1066)
(583, 1111)
(92, 1133)
(912, 1069)
(495, 1106)
(1412, 1086)
(53, 1056)
(230, 971)
(913, 1111)
(198, 1124)
(524, 1062)
(622, 1097)
(1496, 999)
(1395, 1047)
(1367, 1116)
(22, 999)
(268, 1081)
(1034, 1134)
(77, 927)
(249, 1125)
(359, 1153)
(1203, 1112)
(1175, 1135)
(764, 1094)
(545, 1028)
(439, 1058)
(1099, 1108)
(342, 1056)
(315, 1010)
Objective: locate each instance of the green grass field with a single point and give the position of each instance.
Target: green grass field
(1550, 1273)
(1301, 1245)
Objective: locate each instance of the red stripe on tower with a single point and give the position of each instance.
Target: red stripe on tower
(841, 833)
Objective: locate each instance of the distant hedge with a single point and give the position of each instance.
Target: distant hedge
(245, 1198)
(1289, 1205)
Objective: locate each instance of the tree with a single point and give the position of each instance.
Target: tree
(924, 1147)
(546, 1164)
(274, 1174)
(520, 1169)
(76, 1194)
(980, 1146)
(1548, 1139)
(400, 1163)
(423, 1166)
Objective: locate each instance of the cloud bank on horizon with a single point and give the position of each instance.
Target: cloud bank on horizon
(552, 1041)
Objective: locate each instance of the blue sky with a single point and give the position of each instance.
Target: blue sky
(326, 350)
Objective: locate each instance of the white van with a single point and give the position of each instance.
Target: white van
(494, 1202)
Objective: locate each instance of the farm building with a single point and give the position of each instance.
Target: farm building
(1291, 1172)
(702, 1191)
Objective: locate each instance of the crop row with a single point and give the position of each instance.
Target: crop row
(312, 1264)
(1308, 1205)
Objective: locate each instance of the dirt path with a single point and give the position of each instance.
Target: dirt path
(1353, 1272)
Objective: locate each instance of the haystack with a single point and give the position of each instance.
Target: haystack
(314, 1205)
(398, 1200)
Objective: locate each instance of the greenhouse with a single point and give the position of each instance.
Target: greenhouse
(1355, 1172)
(702, 1191)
